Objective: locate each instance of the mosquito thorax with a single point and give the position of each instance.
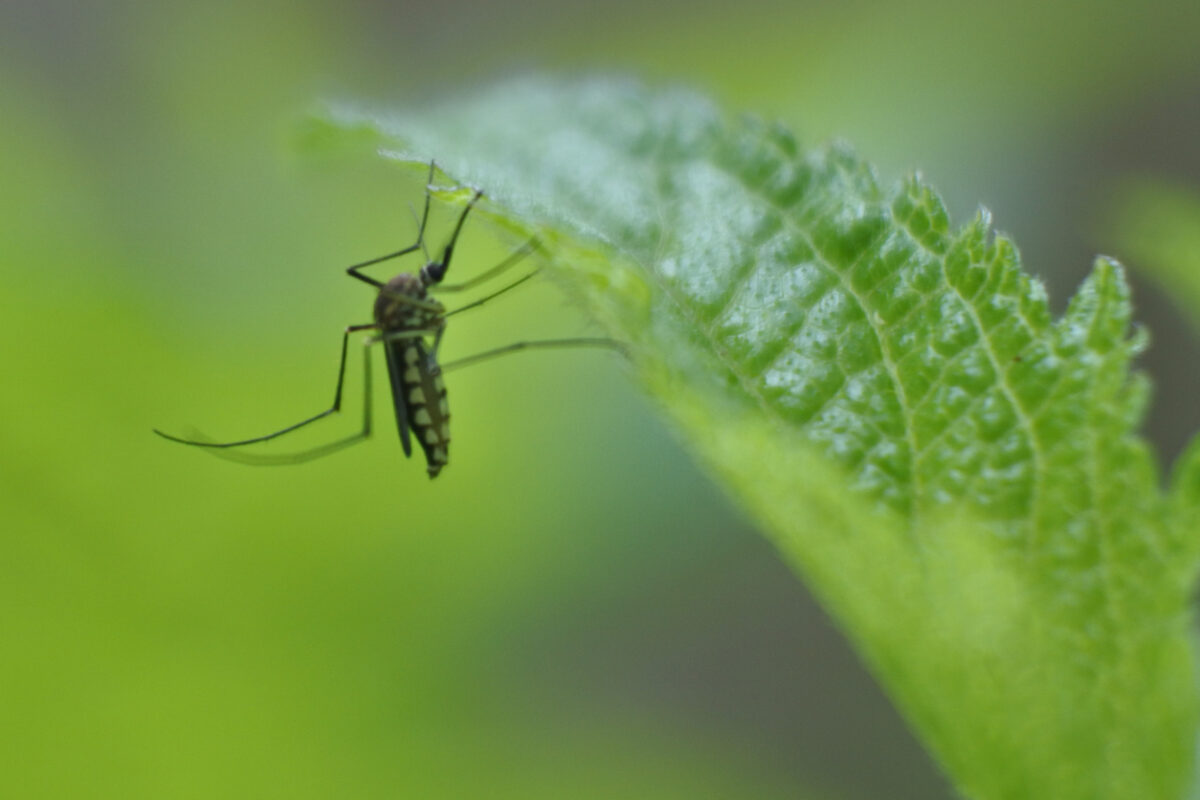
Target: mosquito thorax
(394, 309)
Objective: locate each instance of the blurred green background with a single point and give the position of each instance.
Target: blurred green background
(571, 609)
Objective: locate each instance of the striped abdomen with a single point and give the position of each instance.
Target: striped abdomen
(419, 396)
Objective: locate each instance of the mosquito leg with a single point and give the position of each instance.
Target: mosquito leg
(265, 460)
(421, 226)
(333, 409)
(514, 258)
(416, 333)
(495, 294)
(408, 300)
(437, 341)
(353, 271)
(611, 344)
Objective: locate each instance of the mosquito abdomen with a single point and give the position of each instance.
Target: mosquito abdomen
(425, 401)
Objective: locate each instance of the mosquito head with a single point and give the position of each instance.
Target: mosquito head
(433, 272)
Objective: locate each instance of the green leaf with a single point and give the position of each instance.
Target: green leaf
(955, 473)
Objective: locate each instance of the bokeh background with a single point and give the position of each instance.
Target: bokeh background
(572, 609)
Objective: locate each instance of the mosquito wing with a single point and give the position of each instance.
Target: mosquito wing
(395, 363)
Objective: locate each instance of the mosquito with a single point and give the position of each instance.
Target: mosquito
(409, 322)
